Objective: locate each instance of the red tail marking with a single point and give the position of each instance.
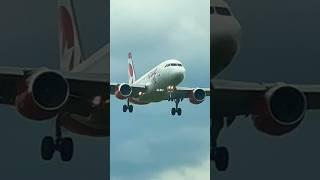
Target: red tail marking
(130, 70)
(66, 25)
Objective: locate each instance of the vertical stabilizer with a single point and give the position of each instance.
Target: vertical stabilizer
(131, 71)
(70, 48)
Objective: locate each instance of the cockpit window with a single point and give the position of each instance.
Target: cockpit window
(223, 11)
(172, 65)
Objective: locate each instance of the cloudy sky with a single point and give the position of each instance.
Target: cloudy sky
(29, 38)
(150, 143)
(280, 42)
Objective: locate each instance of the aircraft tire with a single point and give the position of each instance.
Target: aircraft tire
(179, 111)
(47, 148)
(130, 108)
(66, 149)
(173, 111)
(124, 108)
(221, 158)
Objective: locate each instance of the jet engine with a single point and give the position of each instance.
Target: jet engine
(123, 91)
(280, 110)
(42, 94)
(197, 96)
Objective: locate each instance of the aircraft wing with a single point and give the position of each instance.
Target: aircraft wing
(82, 85)
(232, 98)
(179, 92)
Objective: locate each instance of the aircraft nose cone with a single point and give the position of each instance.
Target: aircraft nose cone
(180, 75)
(225, 41)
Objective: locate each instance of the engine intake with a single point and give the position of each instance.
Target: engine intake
(50, 90)
(197, 96)
(281, 110)
(42, 94)
(123, 91)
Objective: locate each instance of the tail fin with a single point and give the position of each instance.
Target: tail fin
(131, 71)
(70, 48)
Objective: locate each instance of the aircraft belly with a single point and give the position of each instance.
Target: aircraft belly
(153, 97)
(96, 124)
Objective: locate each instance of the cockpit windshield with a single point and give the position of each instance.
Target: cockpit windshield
(173, 64)
(220, 10)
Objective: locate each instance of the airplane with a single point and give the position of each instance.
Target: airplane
(75, 96)
(276, 109)
(160, 83)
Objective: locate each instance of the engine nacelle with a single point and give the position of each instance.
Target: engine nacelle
(123, 91)
(281, 110)
(42, 94)
(197, 96)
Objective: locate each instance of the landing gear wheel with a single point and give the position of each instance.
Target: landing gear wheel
(47, 148)
(66, 149)
(176, 109)
(64, 145)
(221, 158)
(124, 108)
(179, 111)
(173, 111)
(130, 108)
(127, 107)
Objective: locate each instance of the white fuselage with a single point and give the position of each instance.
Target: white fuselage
(157, 80)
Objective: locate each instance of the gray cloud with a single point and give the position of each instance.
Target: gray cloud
(150, 143)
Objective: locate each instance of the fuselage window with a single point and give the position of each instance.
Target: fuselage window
(223, 11)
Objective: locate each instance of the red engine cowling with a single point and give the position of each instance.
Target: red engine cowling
(280, 110)
(41, 95)
(197, 96)
(123, 91)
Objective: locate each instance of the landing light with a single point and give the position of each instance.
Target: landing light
(170, 88)
(97, 100)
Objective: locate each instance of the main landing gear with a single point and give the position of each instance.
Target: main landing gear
(64, 145)
(127, 107)
(219, 155)
(176, 109)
